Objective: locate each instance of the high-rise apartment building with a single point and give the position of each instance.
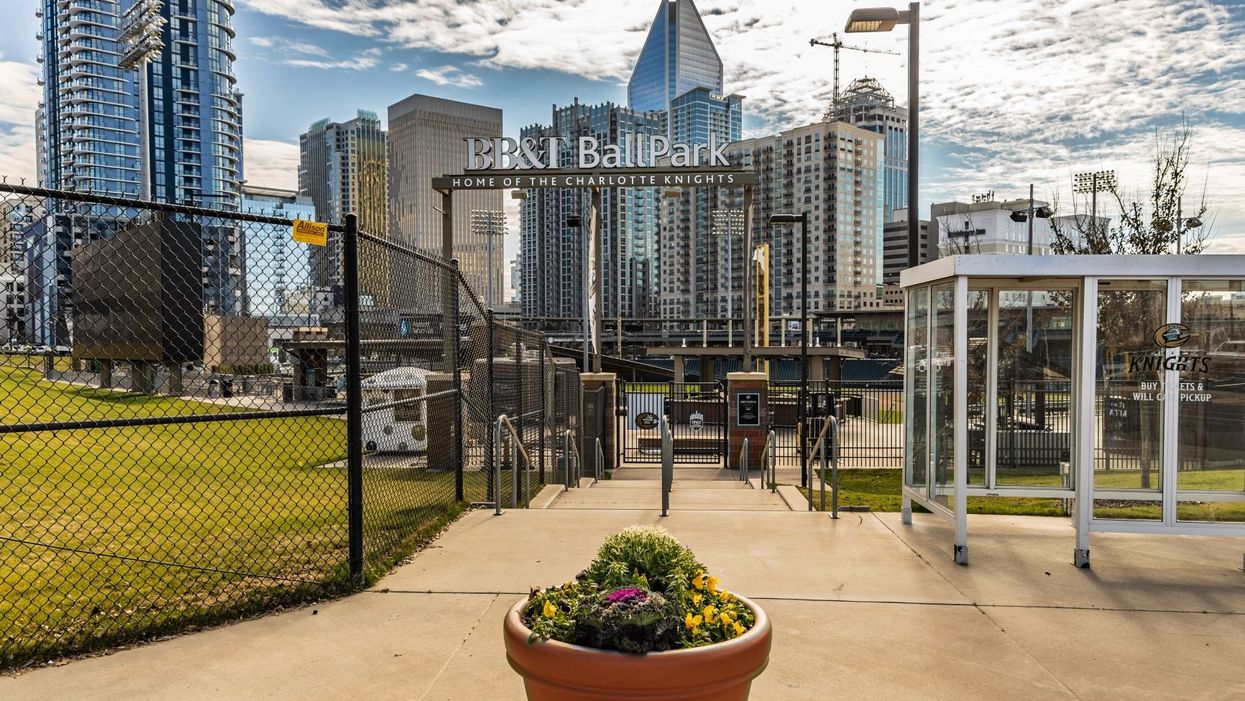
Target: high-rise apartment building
(832, 171)
(343, 170)
(89, 116)
(553, 244)
(895, 246)
(170, 131)
(426, 141)
(278, 269)
(866, 104)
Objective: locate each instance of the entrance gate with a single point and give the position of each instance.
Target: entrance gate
(696, 412)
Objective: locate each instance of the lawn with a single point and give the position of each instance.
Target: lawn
(196, 522)
(879, 489)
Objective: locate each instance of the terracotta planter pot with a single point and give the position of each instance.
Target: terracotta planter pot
(556, 671)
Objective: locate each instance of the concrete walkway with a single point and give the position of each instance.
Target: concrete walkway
(862, 607)
(631, 493)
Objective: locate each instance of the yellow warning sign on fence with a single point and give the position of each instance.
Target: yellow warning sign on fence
(312, 232)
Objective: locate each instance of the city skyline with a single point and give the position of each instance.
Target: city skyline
(1053, 99)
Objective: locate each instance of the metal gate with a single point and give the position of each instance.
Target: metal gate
(870, 415)
(696, 412)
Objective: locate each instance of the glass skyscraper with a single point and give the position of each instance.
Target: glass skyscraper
(89, 115)
(678, 56)
(90, 134)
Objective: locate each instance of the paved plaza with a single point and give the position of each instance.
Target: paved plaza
(863, 607)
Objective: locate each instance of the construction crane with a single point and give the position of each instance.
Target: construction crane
(835, 44)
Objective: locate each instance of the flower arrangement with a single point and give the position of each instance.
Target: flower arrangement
(643, 592)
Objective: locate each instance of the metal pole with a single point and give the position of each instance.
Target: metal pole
(1179, 222)
(834, 467)
(497, 467)
(598, 302)
(747, 261)
(914, 64)
(667, 466)
(801, 414)
(495, 454)
(458, 403)
(743, 462)
(489, 216)
(514, 471)
(1029, 294)
(354, 401)
(822, 474)
(773, 464)
(585, 253)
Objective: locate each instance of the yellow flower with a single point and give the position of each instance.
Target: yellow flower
(692, 621)
(699, 580)
(713, 584)
(696, 598)
(727, 617)
(739, 628)
(725, 595)
(710, 612)
(550, 610)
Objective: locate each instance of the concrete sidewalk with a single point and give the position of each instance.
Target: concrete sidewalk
(862, 607)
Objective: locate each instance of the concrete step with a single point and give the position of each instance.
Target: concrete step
(685, 495)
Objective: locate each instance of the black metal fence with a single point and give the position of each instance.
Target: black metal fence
(202, 419)
(697, 418)
(870, 415)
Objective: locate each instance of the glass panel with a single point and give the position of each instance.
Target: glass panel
(1129, 401)
(978, 362)
(916, 425)
(943, 390)
(1211, 440)
(1034, 436)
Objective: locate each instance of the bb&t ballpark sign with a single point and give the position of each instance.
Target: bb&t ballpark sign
(644, 161)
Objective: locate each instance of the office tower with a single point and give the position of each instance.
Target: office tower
(895, 246)
(278, 269)
(678, 56)
(833, 172)
(866, 104)
(552, 244)
(426, 138)
(343, 170)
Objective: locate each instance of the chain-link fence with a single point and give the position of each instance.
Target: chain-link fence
(195, 425)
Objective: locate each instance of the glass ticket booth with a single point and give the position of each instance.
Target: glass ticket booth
(1116, 383)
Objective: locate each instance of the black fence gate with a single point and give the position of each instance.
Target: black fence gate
(696, 412)
(871, 416)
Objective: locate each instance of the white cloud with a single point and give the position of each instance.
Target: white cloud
(271, 163)
(363, 61)
(398, 67)
(19, 91)
(288, 47)
(17, 154)
(449, 75)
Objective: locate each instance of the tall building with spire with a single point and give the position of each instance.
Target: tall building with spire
(678, 56)
(866, 104)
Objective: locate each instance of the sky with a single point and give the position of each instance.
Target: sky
(1013, 92)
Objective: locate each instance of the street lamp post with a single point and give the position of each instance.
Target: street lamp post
(802, 220)
(884, 19)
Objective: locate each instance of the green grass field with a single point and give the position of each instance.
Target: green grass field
(251, 512)
(879, 489)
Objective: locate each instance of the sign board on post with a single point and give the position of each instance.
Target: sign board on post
(748, 409)
(312, 232)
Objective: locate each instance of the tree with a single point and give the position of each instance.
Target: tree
(1153, 222)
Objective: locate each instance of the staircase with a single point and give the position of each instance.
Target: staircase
(695, 489)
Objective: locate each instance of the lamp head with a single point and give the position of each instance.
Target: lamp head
(784, 218)
(872, 19)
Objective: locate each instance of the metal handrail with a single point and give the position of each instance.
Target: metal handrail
(769, 458)
(599, 468)
(516, 448)
(743, 460)
(667, 465)
(571, 447)
(829, 429)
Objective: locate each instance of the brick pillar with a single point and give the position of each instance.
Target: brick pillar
(591, 381)
(754, 388)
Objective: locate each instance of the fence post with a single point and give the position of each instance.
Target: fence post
(519, 426)
(494, 452)
(354, 401)
(454, 318)
(544, 413)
